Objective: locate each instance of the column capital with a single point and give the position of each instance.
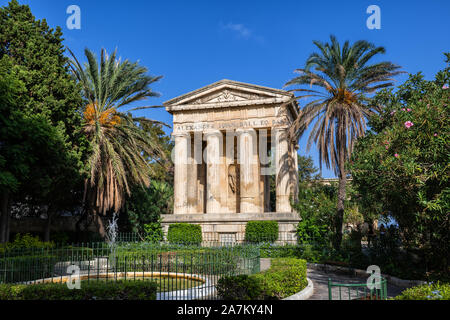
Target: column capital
(241, 131)
(208, 133)
(278, 129)
(181, 134)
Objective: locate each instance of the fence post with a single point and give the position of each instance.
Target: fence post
(330, 296)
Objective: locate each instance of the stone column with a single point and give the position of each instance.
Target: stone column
(180, 160)
(283, 163)
(249, 173)
(213, 174)
(296, 174)
(200, 180)
(192, 177)
(265, 168)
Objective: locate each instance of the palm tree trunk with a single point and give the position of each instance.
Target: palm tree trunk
(341, 194)
(100, 225)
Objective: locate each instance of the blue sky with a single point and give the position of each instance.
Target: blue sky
(195, 43)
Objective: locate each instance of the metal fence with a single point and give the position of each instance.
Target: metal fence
(219, 239)
(182, 272)
(357, 291)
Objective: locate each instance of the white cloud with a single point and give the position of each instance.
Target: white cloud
(241, 31)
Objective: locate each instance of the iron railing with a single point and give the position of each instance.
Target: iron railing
(357, 291)
(182, 272)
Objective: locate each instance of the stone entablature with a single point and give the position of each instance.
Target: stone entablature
(229, 138)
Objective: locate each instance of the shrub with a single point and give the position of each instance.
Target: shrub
(311, 253)
(284, 278)
(270, 250)
(431, 291)
(26, 268)
(400, 167)
(95, 290)
(242, 287)
(25, 241)
(184, 233)
(153, 232)
(261, 231)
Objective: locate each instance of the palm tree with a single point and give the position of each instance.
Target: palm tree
(342, 78)
(118, 143)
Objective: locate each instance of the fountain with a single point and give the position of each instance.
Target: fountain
(112, 230)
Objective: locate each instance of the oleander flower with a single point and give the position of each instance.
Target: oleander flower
(396, 155)
(408, 124)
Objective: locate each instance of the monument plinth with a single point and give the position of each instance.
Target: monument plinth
(230, 141)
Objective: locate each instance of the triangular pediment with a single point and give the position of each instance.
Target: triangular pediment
(227, 93)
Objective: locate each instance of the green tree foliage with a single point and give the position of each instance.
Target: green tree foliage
(10, 121)
(35, 157)
(44, 144)
(403, 163)
(145, 205)
(306, 169)
(317, 208)
(37, 55)
(342, 78)
(161, 167)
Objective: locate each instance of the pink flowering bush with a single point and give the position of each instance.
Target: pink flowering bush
(409, 181)
(408, 124)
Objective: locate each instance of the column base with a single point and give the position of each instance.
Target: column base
(216, 227)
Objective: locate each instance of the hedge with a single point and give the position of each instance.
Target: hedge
(431, 291)
(184, 233)
(261, 231)
(26, 268)
(94, 290)
(284, 278)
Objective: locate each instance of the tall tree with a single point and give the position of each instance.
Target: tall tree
(39, 61)
(36, 161)
(118, 143)
(48, 98)
(343, 79)
(402, 165)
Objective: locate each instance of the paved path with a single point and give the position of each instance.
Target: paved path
(320, 280)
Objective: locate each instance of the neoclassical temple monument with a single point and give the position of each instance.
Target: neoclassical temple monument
(230, 141)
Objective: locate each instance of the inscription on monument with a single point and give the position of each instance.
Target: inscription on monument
(262, 123)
